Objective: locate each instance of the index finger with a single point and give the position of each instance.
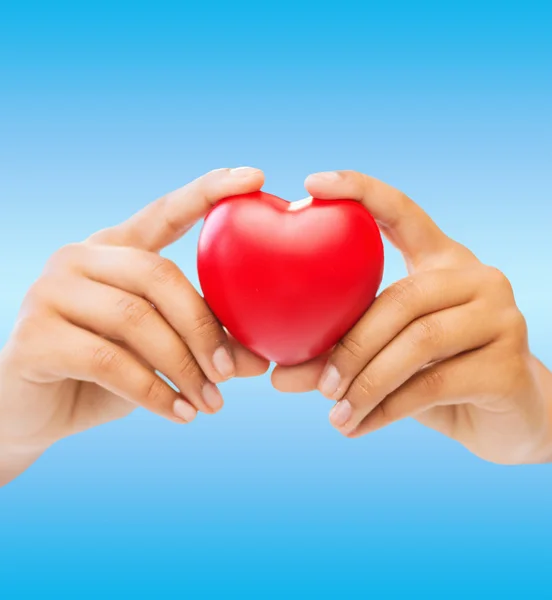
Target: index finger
(405, 224)
(167, 219)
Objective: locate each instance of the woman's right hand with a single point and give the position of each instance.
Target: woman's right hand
(106, 315)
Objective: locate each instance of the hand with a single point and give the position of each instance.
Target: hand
(447, 345)
(105, 316)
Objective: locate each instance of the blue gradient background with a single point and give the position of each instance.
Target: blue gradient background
(104, 107)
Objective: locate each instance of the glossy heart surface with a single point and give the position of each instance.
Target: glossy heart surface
(288, 280)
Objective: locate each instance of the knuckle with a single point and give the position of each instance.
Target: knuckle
(170, 221)
(457, 254)
(355, 178)
(516, 327)
(155, 393)
(106, 359)
(517, 321)
(134, 311)
(38, 293)
(428, 332)
(206, 325)
(29, 334)
(164, 271)
(431, 381)
(29, 327)
(66, 255)
(188, 368)
(498, 281)
(25, 330)
(402, 293)
(351, 347)
(206, 185)
(212, 174)
(366, 384)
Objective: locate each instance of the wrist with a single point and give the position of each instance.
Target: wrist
(15, 458)
(543, 447)
(18, 450)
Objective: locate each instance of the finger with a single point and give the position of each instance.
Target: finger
(163, 284)
(405, 224)
(427, 340)
(247, 363)
(397, 306)
(168, 218)
(299, 378)
(457, 381)
(83, 356)
(119, 315)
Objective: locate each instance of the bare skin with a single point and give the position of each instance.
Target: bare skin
(105, 315)
(447, 345)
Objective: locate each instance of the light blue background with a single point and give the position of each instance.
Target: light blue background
(104, 107)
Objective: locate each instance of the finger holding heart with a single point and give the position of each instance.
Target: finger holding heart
(367, 373)
(426, 328)
(121, 323)
(405, 224)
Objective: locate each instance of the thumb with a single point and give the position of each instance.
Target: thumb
(167, 219)
(405, 224)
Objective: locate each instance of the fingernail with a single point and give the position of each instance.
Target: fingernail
(327, 175)
(329, 382)
(212, 397)
(341, 413)
(184, 411)
(223, 363)
(243, 171)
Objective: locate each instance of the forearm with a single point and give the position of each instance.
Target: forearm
(14, 460)
(543, 451)
(17, 451)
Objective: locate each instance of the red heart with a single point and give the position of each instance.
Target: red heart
(288, 280)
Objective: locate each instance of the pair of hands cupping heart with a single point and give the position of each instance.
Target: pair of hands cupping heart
(292, 283)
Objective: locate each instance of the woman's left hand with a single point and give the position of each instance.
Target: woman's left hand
(447, 345)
